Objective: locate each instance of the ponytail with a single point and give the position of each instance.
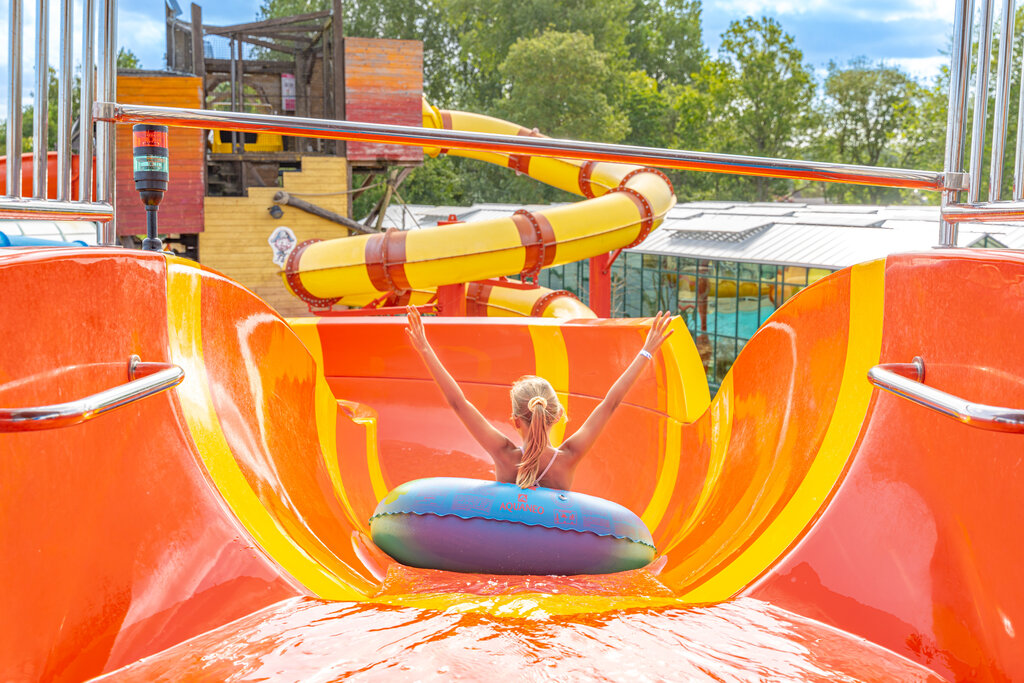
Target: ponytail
(535, 443)
(534, 402)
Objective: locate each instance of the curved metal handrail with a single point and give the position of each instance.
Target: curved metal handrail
(895, 378)
(163, 377)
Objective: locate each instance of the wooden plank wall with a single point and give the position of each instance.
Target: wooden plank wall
(181, 210)
(237, 228)
(384, 84)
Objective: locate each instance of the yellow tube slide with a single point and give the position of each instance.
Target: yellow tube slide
(625, 203)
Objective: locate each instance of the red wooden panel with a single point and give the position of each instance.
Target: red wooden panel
(181, 210)
(383, 84)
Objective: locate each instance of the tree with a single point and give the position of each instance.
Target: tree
(126, 59)
(865, 109)
(664, 39)
(767, 92)
(560, 82)
(487, 34)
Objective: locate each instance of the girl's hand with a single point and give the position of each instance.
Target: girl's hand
(659, 332)
(417, 337)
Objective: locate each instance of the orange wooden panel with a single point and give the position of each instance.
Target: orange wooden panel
(383, 84)
(181, 210)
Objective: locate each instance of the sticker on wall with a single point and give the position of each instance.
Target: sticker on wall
(282, 241)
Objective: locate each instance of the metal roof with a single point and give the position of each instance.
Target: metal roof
(793, 234)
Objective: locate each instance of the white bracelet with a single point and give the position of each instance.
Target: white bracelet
(646, 354)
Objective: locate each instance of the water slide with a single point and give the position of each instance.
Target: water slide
(808, 526)
(624, 203)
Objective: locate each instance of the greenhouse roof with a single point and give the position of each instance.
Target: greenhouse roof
(798, 234)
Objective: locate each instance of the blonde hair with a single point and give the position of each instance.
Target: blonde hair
(535, 403)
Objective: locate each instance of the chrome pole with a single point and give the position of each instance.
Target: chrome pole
(234, 103)
(14, 102)
(394, 134)
(1018, 161)
(995, 181)
(64, 82)
(40, 115)
(980, 101)
(106, 132)
(85, 110)
(956, 122)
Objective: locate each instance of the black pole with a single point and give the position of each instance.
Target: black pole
(151, 170)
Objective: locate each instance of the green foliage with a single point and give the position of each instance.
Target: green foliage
(636, 71)
(126, 59)
(865, 109)
(664, 39)
(562, 82)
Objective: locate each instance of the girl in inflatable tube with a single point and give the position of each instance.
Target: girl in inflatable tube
(535, 409)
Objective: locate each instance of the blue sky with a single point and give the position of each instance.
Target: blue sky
(908, 33)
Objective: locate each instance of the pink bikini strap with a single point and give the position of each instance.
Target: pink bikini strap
(550, 463)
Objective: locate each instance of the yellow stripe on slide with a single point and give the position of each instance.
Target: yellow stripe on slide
(668, 473)
(864, 342)
(184, 321)
(722, 411)
(327, 416)
(552, 363)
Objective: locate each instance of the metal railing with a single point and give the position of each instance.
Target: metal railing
(995, 208)
(56, 203)
(156, 377)
(906, 380)
(517, 144)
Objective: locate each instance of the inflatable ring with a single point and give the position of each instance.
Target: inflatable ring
(486, 527)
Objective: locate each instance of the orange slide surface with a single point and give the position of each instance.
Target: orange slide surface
(808, 527)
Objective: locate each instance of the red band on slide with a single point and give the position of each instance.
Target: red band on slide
(477, 296)
(538, 238)
(584, 181)
(294, 279)
(646, 214)
(385, 260)
(541, 304)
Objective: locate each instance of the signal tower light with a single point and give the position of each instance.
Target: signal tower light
(151, 170)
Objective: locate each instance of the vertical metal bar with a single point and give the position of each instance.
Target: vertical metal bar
(106, 139)
(956, 128)
(14, 102)
(995, 181)
(234, 96)
(64, 81)
(85, 110)
(980, 100)
(1018, 165)
(40, 115)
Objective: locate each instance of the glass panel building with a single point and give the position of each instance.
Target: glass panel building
(722, 302)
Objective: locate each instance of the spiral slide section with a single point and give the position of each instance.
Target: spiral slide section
(624, 203)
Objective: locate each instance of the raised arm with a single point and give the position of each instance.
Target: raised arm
(494, 442)
(577, 445)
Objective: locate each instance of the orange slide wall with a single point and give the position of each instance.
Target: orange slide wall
(798, 488)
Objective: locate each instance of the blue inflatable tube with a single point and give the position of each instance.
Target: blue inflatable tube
(486, 527)
(23, 241)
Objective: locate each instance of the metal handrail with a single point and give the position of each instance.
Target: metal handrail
(53, 210)
(518, 144)
(163, 377)
(896, 379)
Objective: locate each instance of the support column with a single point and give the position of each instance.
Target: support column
(451, 300)
(601, 285)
